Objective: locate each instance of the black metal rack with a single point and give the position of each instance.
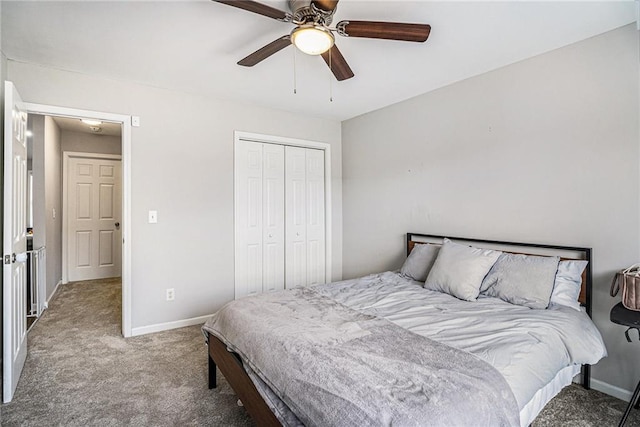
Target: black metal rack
(631, 319)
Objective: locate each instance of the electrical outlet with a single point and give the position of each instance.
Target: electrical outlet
(171, 294)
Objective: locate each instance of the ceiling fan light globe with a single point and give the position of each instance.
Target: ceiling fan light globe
(312, 40)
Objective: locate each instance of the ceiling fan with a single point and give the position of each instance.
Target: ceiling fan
(313, 35)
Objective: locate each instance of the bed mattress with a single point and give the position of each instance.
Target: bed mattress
(528, 347)
(536, 352)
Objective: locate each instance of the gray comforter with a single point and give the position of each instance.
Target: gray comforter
(334, 366)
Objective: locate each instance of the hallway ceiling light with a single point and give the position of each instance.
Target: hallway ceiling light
(91, 122)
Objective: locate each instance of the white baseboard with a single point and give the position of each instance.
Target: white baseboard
(46, 303)
(142, 330)
(611, 390)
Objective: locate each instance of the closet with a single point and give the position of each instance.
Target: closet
(279, 217)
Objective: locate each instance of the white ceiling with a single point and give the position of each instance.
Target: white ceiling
(194, 46)
(76, 125)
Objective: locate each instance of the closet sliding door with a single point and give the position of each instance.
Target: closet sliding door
(273, 217)
(259, 218)
(305, 222)
(279, 217)
(296, 216)
(316, 253)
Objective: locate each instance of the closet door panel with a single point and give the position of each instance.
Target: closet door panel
(295, 217)
(315, 209)
(280, 217)
(273, 214)
(248, 218)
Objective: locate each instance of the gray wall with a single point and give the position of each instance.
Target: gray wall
(90, 143)
(545, 150)
(47, 196)
(182, 166)
(53, 202)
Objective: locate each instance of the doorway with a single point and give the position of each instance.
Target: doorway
(76, 202)
(14, 331)
(14, 335)
(123, 122)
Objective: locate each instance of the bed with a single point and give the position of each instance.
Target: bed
(391, 348)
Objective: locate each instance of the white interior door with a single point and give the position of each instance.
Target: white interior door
(280, 218)
(15, 241)
(296, 216)
(248, 218)
(315, 201)
(259, 218)
(305, 217)
(273, 217)
(94, 204)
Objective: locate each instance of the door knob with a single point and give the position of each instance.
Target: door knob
(117, 226)
(21, 257)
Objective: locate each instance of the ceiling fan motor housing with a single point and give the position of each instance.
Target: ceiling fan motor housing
(303, 11)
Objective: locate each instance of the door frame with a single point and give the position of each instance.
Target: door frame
(125, 121)
(66, 156)
(294, 142)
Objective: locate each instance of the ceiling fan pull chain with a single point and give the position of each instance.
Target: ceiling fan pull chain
(295, 83)
(330, 79)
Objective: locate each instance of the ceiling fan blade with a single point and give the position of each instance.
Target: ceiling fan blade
(325, 5)
(385, 30)
(266, 51)
(259, 8)
(339, 66)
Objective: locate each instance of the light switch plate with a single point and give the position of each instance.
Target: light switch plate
(153, 217)
(135, 121)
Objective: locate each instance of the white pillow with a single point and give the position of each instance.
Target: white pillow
(459, 270)
(419, 262)
(566, 288)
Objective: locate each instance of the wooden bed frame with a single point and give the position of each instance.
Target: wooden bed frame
(231, 367)
(230, 364)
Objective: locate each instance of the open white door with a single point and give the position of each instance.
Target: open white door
(15, 241)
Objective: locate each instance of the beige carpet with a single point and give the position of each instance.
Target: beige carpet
(81, 372)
